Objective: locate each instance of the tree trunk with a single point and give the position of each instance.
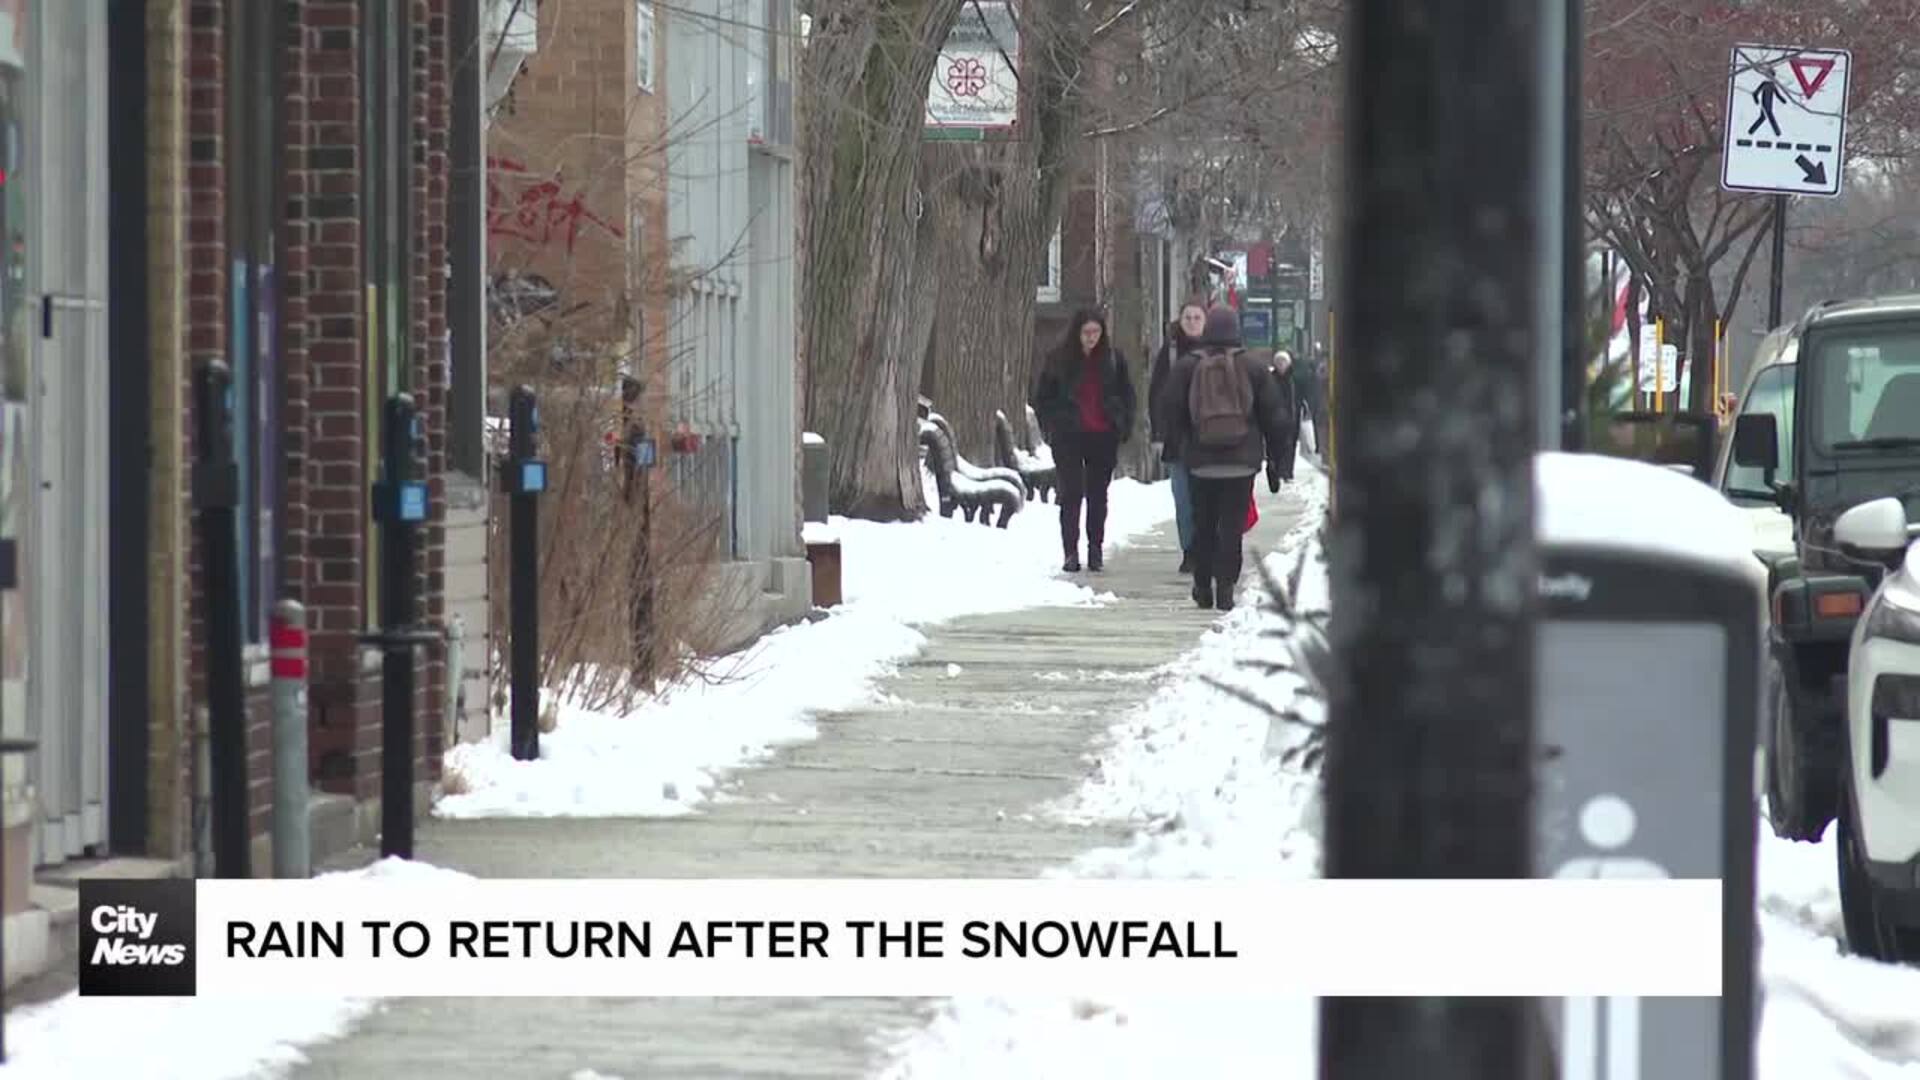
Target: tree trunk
(867, 72)
(993, 209)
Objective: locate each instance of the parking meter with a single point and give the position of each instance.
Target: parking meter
(1649, 667)
(524, 476)
(400, 506)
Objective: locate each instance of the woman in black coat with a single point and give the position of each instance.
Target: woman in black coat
(1085, 402)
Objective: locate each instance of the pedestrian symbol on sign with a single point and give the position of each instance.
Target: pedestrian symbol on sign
(1765, 96)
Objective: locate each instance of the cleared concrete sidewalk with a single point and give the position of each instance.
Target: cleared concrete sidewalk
(945, 784)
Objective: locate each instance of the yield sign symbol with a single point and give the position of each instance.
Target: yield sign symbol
(1812, 72)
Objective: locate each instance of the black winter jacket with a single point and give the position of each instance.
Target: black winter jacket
(1272, 436)
(1057, 407)
(1176, 343)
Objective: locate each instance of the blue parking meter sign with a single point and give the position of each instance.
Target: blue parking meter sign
(533, 477)
(412, 502)
(645, 453)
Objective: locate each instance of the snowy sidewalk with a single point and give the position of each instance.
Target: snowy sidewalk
(944, 777)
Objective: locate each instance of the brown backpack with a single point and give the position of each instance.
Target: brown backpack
(1220, 399)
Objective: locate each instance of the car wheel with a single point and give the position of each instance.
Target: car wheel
(1868, 933)
(1801, 765)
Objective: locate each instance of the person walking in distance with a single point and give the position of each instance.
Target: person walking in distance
(1085, 402)
(1227, 413)
(1181, 336)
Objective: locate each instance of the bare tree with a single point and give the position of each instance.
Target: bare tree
(1656, 98)
(864, 74)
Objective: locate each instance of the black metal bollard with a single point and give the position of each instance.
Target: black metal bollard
(524, 478)
(216, 498)
(400, 505)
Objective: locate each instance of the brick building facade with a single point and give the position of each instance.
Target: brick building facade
(316, 260)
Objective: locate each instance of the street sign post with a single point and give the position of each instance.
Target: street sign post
(1786, 120)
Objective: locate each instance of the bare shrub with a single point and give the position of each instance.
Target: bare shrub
(624, 563)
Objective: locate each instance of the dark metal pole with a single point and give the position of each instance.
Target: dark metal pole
(1576, 343)
(1428, 773)
(216, 485)
(1777, 293)
(524, 568)
(398, 603)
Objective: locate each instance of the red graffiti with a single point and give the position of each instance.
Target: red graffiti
(537, 211)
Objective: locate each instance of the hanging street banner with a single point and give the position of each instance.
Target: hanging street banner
(975, 88)
(1786, 120)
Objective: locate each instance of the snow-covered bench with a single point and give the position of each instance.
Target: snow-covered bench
(965, 487)
(1035, 468)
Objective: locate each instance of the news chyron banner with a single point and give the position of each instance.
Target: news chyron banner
(452, 936)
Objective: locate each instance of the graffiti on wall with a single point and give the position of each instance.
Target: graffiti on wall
(540, 211)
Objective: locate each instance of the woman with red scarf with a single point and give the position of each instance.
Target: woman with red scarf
(1085, 402)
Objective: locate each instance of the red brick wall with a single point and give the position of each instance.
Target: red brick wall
(322, 337)
(205, 322)
(431, 108)
(345, 734)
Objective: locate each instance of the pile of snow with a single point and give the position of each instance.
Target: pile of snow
(1593, 500)
(1828, 1014)
(1193, 771)
(669, 755)
(96, 1038)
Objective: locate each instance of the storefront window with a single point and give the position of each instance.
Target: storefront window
(16, 321)
(254, 199)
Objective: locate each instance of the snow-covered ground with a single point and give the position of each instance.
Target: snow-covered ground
(1188, 771)
(1192, 769)
(75, 1038)
(1829, 1015)
(666, 757)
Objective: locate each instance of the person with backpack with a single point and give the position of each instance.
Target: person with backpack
(1226, 411)
(1085, 402)
(1181, 336)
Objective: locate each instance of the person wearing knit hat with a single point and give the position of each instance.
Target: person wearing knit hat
(1226, 410)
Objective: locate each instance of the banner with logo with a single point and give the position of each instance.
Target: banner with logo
(974, 82)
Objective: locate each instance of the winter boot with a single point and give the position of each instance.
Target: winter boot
(1223, 595)
(1096, 559)
(1072, 565)
(1203, 594)
(1186, 562)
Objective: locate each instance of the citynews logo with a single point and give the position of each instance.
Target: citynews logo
(136, 938)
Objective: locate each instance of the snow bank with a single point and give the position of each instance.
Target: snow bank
(1828, 1014)
(75, 1038)
(666, 757)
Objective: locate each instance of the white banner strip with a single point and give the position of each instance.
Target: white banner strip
(893, 938)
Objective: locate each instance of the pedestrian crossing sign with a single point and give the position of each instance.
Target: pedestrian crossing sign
(1786, 120)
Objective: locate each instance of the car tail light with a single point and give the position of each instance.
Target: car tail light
(1838, 605)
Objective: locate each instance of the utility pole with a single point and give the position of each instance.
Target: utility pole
(1777, 289)
(1573, 313)
(1430, 749)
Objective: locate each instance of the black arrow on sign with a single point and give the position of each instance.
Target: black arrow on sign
(1816, 174)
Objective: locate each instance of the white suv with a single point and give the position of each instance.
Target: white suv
(1879, 806)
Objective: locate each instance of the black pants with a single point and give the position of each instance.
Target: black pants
(1219, 522)
(1084, 463)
